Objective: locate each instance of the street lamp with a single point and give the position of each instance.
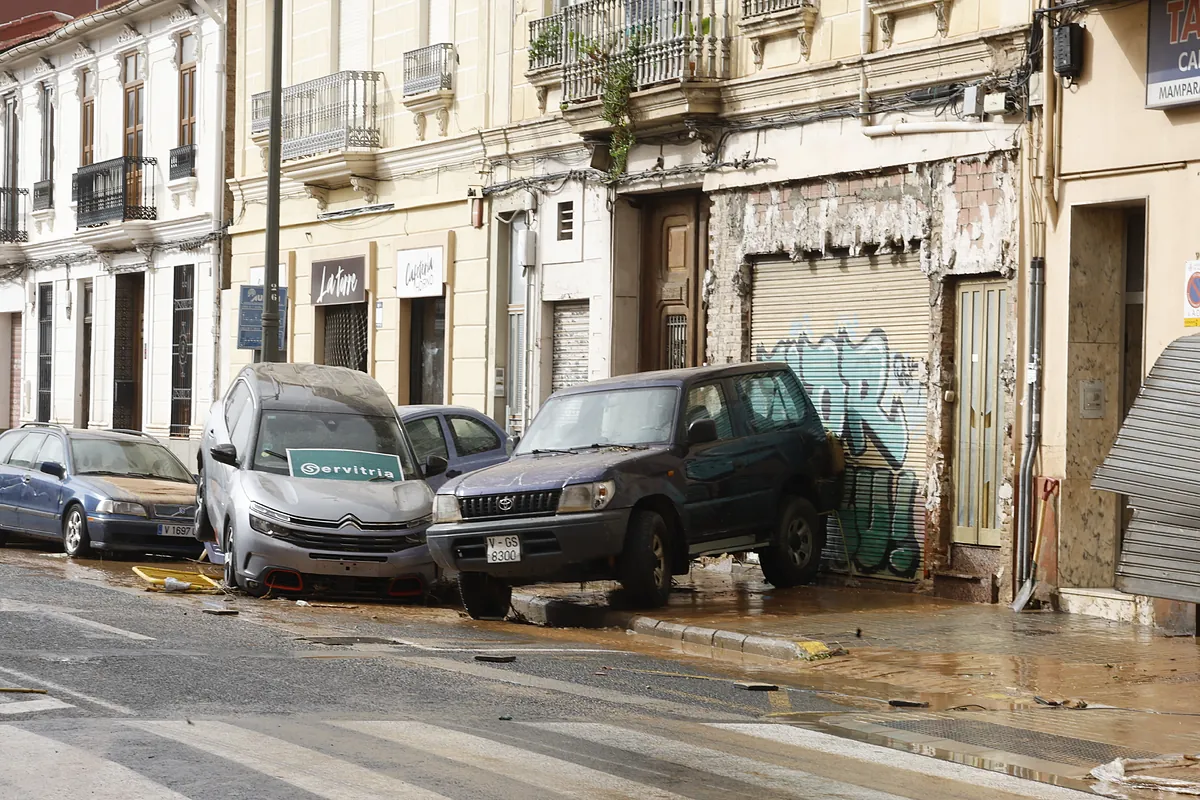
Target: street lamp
(270, 315)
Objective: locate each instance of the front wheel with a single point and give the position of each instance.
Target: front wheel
(483, 596)
(794, 554)
(76, 541)
(644, 568)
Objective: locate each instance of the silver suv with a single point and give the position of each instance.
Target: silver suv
(308, 483)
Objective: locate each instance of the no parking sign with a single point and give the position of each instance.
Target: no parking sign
(1191, 295)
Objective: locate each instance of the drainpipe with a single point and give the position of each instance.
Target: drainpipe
(1033, 417)
(218, 176)
(1050, 130)
(901, 128)
(864, 50)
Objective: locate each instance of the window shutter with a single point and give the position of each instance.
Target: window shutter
(353, 32)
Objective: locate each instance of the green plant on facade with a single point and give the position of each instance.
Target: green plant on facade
(547, 47)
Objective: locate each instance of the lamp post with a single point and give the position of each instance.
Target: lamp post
(270, 315)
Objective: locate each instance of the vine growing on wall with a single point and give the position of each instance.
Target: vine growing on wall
(616, 86)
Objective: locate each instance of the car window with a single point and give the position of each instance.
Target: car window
(633, 417)
(242, 429)
(283, 431)
(769, 406)
(472, 437)
(8, 442)
(133, 458)
(708, 402)
(426, 437)
(52, 450)
(235, 404)
(24, 453)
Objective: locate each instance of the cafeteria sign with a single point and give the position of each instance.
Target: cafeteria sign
(343, 465)
(1173, 54)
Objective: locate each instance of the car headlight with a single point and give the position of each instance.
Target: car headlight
(586, 496)
(445, 509)
(120, 507)
(268, 521)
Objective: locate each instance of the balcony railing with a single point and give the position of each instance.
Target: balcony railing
(329, 114)
(115, 191)
(755, 8)
(43, 195)
(183, 162)
(546, 42)
(665, 41)
(430, 69)
(13, 212)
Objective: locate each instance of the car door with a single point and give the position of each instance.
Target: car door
(10, 480)
(41, 499)
(428, 437)
(21, 463)
(478, 443)
(709, 470)
(772, 421)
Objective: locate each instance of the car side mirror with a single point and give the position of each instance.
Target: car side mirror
(702, 431)
(434, 466)
(54, 468)
(224, 454)
(513, 441)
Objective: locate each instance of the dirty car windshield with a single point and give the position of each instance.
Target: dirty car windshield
(126, 458)
(280, 431)
(639, 416)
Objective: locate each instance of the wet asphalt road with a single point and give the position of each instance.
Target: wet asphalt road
(149, 697)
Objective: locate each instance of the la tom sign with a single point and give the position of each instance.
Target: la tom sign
(1173, 54)
(420, 272)
(339, 281)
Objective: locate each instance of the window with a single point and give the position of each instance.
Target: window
(303, 430)
(472, 437)
(45, 362)
(127, 457)
(52, 450)
(25, 452)
(87, 117)
(181, 351)
(769, 405)
(235, 404)
(708, 402)
(439, 21)
(243, 428)
(47, 103)
(353, 32)
(622, 417)
(566, 221)
(517, 287)
(10, 212)
(134, 108)
(187, 89)
(8, 443)
(426, 437)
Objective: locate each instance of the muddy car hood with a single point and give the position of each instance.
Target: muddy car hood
(550, 471)
(148, 491)
(315, 498)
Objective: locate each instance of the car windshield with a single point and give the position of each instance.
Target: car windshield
(630, 417)
(129, 459)
(281, 431)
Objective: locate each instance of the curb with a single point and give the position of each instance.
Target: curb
(550, 613)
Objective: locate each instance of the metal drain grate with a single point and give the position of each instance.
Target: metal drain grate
(1046, 746)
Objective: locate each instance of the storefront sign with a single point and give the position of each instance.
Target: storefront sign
(343, 465)
(420, 272)
(1191, 294)
(1173, 54)
(250, 311)
(342, 280)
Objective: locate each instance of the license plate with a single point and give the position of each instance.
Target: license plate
(503, 549)
(174, 530)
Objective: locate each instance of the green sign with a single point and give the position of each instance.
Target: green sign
(343, 465)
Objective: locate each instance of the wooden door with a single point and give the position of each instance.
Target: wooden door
(673, 263)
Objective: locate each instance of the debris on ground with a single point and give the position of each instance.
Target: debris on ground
(303, 603)
(496, 659)
(505, 718)
(220, 612)
(755, 686)
(907, 704)
(176, 580)
(1177, 774)
(10, 690)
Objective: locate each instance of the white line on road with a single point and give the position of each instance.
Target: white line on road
(314, 772)
(87, 698)
(703, 759)
(21, 607)
(898, 759)
(37, 767)
(30, 706)
(527, 766)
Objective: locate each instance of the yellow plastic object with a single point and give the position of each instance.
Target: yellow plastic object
(158, 577)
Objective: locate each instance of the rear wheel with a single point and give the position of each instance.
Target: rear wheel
(483, 596)
(76, 541)
(794, 554)
(644, 568)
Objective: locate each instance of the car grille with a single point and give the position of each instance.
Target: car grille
(523, 504)
(186, 513)
(533, 543)
(347, 543)
(350, 521)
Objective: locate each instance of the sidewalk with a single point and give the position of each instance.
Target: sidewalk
(978, 667)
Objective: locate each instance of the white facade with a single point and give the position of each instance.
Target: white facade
(138, 240)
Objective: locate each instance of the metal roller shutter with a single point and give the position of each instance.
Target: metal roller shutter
(15, 357)
(353, 30)
(856, 331)
(569, 361)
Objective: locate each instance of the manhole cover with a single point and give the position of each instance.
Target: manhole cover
(1046, 746)
(346, 641)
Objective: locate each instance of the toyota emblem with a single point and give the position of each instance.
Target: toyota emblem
(506, 504)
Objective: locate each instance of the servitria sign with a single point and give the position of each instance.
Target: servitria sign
(341, 280)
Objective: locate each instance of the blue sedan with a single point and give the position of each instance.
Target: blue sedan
(467, 439)
(104, 490)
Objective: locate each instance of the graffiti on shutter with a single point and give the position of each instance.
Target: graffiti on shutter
(569, 361)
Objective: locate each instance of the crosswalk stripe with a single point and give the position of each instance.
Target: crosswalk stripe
(314, 772)
(497, 758)
(28, 706)
(27, 775)
(702, 759)
(898, 759)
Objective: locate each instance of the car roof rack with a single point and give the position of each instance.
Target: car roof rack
(143, 434)
(44, 425)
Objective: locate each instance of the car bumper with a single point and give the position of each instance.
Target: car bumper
(552, 547)
(126, 534)
(260, 555)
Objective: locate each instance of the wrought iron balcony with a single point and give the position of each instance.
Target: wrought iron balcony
(430, 69)
(43, 195)
(329, 114)
(14, 203)
(545, 42)
(183, 162)
(115, 191)
(662, 41)
(756, 8)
